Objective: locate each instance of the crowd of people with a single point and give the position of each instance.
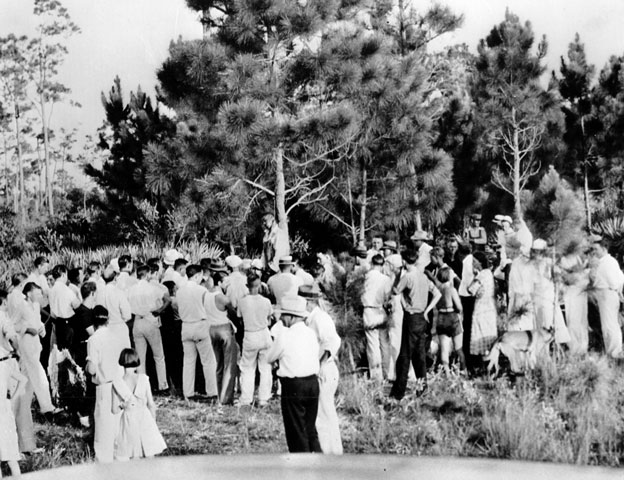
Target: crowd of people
(453, 299)
(238, 318)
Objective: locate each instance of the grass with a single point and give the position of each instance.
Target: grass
(570, 410)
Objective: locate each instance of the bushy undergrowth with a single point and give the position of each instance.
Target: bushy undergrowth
(81, 257)
(569, 410)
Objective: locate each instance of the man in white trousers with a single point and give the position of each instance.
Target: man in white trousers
(321, 323)
(377, 288)
(145, 300)
(29, 328)
(607, 282)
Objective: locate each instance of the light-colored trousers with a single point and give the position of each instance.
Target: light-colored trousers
(609, 306)
(378, 348)
(255, 348)
(20, 404)
(327, 425)
(30, 350)
(106, 423)
(146, 331)
(121, 331)
(575, 299)
(395, 331)
(196, 340)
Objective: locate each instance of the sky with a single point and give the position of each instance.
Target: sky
(130, 38)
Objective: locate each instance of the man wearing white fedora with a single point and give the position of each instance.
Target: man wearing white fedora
(297, 349)
(329, 341)
(423, 249)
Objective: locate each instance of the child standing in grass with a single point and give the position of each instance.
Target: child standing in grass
(138, 434)
(255, 311)
(9, 449)
(448, 326)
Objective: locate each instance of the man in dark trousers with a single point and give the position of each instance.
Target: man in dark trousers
(297, 349)
(414, 288)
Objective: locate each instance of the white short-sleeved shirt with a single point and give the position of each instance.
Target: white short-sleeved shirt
(255, 311)
(62, 299)
(297, 350)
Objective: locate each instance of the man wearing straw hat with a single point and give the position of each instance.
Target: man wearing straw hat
(422, 248)
(297, 349)
(329, 343)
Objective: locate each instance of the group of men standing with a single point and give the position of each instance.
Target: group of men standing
(216, 310)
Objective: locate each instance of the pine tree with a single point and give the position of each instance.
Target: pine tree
(580, 122)
(517, 121)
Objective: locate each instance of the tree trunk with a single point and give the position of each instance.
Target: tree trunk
(20, 167)
(46, 153)
(585, 177)
(516, 170)
(6, 170)
(362, 241)
(280, 191)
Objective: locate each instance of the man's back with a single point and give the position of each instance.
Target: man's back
(190, 299)
(283, 284)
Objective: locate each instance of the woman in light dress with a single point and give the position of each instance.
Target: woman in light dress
(484, 318)
(138, 435)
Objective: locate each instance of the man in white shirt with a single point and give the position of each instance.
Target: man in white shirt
(376, 248)
(125, 280)
(196, 334)
(176, 272)
(297, 349)
(376, 293)
(223, 339)
(284, 283)
(16, 296)
(423, 249)
(29, 328)
(305, 277)
(63, 302)
(38, 276)
(119, 312)
(327, 424)
(145, 301)
(255, 310)
(235, 284)
(103, 352)
(607, 281)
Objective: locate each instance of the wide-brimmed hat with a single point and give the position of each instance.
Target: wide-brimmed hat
(420, 235)
(360, 251)
(310, 291)
(246, 265)
(233, 261)
(499, 219)
(217, 265)
(475, 215)
(171, 256)
(257, 264)
(293, 305)
(286, 260)
(390, 245)
(539, 245)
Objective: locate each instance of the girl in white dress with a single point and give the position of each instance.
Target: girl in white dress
(138, 434)
(11, 383)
